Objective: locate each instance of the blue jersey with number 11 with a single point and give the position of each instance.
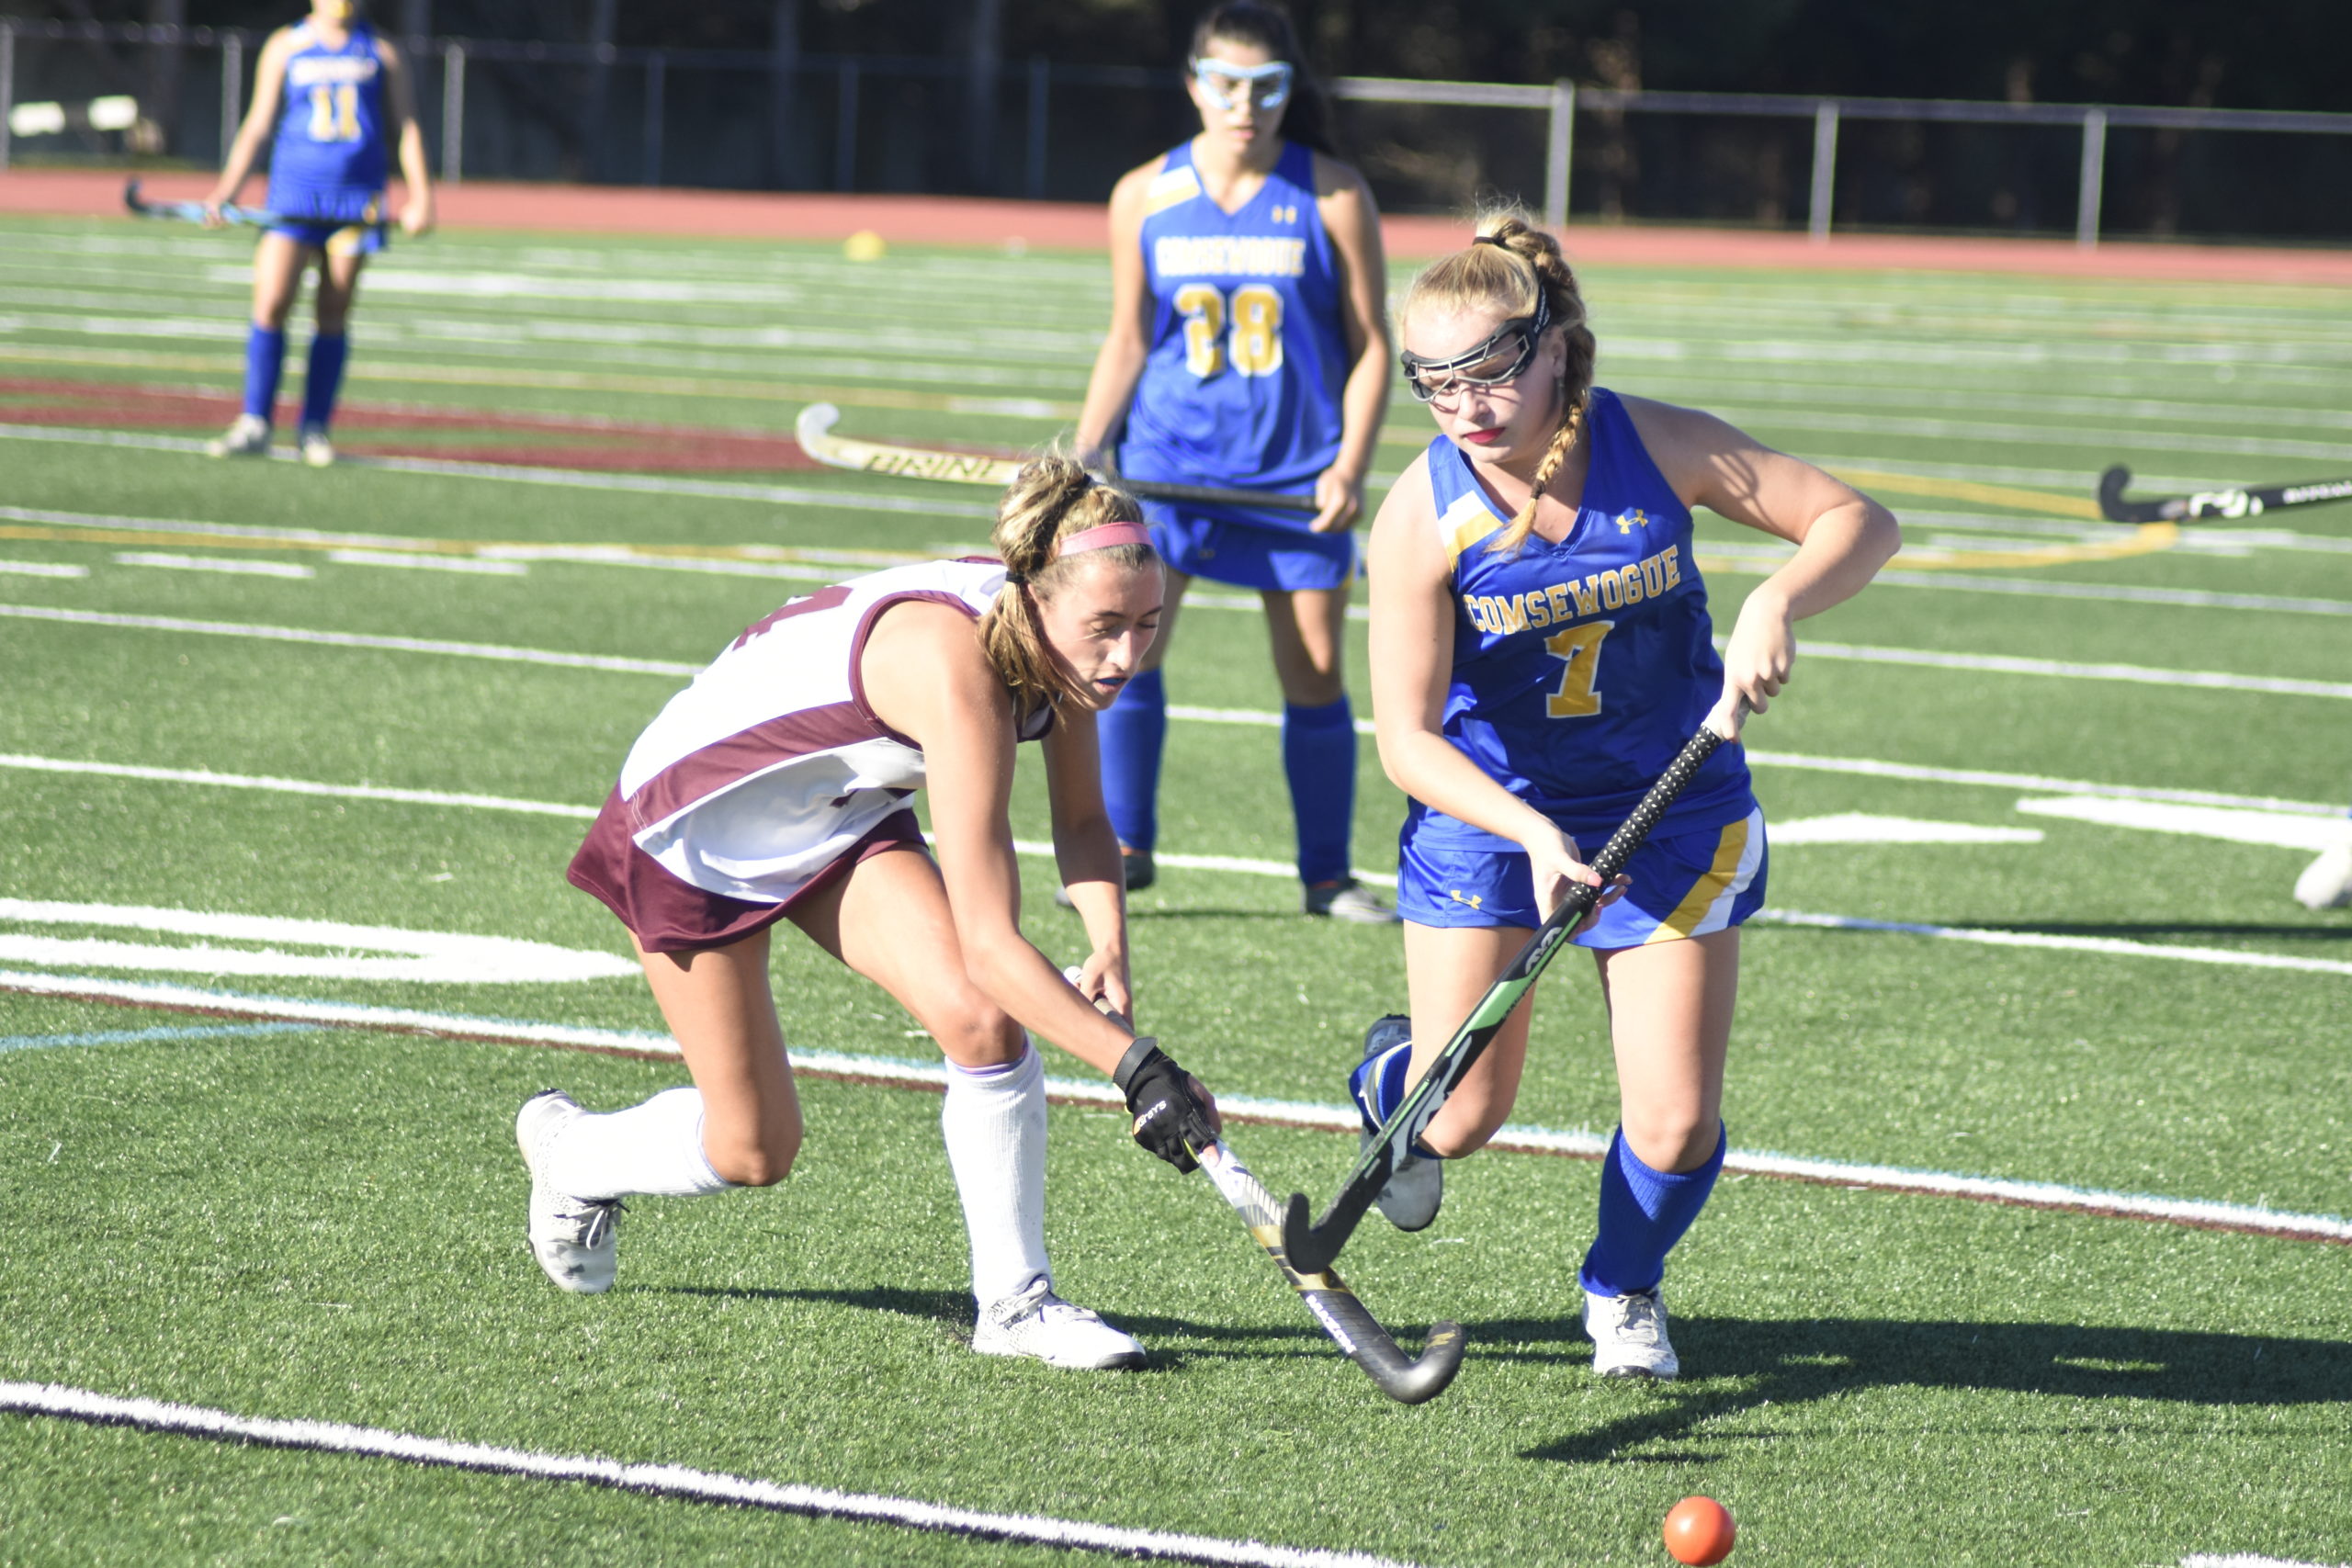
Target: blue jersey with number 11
(329, 154)
(1247, 349)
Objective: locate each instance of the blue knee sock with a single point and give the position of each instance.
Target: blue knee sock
(1378, 1083)
(1133, 731)
(325, 377)
(1319, 758)
(265, 358)
(1643, 1214)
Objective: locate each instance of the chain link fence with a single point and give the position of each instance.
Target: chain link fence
(724, 119)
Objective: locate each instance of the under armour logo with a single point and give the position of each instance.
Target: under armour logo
(1626, 520)
(1474, 900)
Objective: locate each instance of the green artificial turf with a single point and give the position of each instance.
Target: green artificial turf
(327, 1224)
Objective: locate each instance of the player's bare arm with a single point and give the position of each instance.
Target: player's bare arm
(926, 677)
(416, 213)
(1086, 853)
(1119, 364)
(1412, 664)
(260, 119)
(1843, 537)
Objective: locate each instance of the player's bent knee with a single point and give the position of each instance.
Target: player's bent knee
(1673, 1144)
(1457, 1143)
(978, 1034)
(762, 1161)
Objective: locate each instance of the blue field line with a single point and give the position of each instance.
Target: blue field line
(140, 1037)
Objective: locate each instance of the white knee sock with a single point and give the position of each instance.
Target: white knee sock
(655, 1147)
(994, 1125)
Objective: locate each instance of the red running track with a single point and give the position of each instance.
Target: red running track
(968, 221)
(366, 429)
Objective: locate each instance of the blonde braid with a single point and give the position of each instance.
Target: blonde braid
(1563, 441)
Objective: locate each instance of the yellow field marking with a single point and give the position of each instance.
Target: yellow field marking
(1970, 489)
(400, 370)
(2146, 539)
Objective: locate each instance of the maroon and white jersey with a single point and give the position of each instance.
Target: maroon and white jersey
(759, 775)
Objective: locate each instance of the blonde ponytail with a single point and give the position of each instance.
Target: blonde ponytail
(1510, 265)
(1052, 496)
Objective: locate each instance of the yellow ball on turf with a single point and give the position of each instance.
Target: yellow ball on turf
(865, 245)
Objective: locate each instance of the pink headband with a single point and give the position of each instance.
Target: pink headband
(1107, 536)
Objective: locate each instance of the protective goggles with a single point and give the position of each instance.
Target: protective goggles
(1226, 85)
(1500, 360)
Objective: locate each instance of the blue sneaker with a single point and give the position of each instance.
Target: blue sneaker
(1416, 1186)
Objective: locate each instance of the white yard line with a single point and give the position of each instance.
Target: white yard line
(574, 479)
(1998, 663)
(2041, 784)
(2278, 829)
(661, 1480)
(2036, 588)
(931, 1075)
(2248, 1559)
(354, 639)
(410, 562)
(2225, 957)
(297, 786)
(42, 569)
(1733, 555)
(2071, 670)
(227, 565)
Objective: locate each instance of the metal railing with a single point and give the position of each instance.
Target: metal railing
(864, 124)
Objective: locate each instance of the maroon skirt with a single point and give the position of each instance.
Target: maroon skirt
(669, 915)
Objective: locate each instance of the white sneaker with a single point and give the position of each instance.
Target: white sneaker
(2326, 882)
(1350, 901)
(571, 1238)
(1629, 1336)
(317, 450)
(1040, 1325)
(247, 436)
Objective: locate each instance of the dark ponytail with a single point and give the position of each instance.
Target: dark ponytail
(1307, 120)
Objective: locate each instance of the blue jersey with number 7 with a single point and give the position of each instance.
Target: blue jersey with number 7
(1580, 668)
(329, 154)
(1248, 347)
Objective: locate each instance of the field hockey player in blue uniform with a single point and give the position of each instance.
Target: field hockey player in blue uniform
(1541, 650)
(1248, 349)
(333, 98)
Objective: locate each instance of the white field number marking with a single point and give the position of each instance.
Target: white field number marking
(353, 952)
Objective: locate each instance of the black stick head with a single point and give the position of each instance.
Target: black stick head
(1431, 1373)
(2110, 494)
(1311, 1248)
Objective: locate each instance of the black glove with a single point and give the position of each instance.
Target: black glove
(1167, 1119)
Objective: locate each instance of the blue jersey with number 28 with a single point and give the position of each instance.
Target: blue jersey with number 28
(1248, 351)
(1580, 668)
(330, 153)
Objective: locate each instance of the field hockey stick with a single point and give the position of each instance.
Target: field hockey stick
(2231, 505)
(1312, 1244)
(192, 211)
(1408, 1380)
(814, 430)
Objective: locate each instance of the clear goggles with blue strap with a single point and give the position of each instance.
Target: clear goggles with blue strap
(1499, 361)
(1226, 85)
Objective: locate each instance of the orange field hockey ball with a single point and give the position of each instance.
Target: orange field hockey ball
(1700, 1530)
